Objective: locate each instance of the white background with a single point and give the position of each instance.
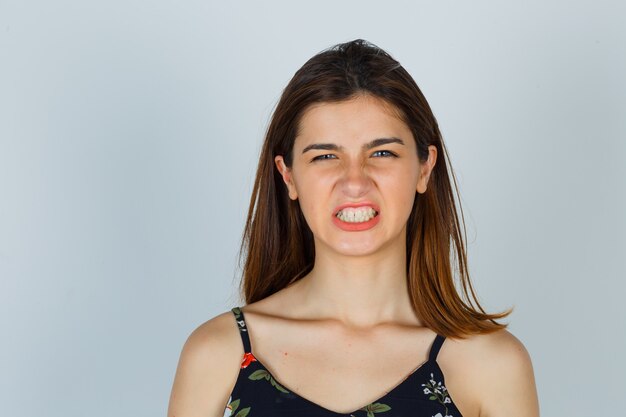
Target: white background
(129, 135)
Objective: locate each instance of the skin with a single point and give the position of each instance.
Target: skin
(346, 333)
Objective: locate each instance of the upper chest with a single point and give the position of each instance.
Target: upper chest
(328, 349)
(337, 368)
(340, 370)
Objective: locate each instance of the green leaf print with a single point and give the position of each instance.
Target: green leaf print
(379, 407)
(263, 374)
(278, 386)
(243, 412)
(375, 408)
(259, 374)
(233, 405)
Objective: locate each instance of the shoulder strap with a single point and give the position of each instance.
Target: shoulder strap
(243, 330)
(434, 349)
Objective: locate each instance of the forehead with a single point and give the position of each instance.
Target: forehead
(361, 118)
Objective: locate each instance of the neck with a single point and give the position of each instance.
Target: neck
(360, 291)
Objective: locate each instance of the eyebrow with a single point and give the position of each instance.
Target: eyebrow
(365, 147)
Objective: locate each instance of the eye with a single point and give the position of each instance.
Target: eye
(389, 154)
(322, 157)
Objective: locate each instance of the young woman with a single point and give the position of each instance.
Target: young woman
(353, 306)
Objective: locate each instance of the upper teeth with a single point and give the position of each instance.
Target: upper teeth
(356, 214)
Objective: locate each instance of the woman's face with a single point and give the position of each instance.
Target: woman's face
(357, 153)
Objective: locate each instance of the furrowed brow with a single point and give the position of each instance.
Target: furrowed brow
(322, 146)
(382, 141)
(332, 147)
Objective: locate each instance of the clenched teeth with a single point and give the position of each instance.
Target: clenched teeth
(356, 215)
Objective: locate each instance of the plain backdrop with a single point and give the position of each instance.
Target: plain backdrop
(129, 135)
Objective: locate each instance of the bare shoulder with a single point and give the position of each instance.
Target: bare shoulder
(207, 369)
(501, 366)
(490, 350)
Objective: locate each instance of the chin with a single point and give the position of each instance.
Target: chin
(350, 247)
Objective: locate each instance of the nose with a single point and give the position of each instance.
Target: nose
(355, 182)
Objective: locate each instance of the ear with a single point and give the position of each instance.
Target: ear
(426, 168)
(285, 172)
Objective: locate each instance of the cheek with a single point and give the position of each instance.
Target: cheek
(402, 198)
(399, 192)
(312, 199)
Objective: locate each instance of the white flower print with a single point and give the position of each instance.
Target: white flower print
(437, 392)
(229, 409)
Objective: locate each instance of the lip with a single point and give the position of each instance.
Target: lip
(355, 205)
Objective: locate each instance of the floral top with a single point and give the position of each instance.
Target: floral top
(258, 394)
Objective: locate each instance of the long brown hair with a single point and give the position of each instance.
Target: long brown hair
(277, 245)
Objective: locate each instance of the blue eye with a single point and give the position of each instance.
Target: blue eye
(390, 154)
(321, 157)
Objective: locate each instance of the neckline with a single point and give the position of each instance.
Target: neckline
(352, 412)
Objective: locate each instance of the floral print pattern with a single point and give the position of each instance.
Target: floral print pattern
(263, 374)
(374, 408)
(239, 318)
(437, 392)
(248, 358)
(231, 409)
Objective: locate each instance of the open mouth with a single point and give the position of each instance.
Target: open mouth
(356, 214)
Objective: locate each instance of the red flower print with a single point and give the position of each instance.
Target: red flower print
(247, 358)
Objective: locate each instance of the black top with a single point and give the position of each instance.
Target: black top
(258, 394)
